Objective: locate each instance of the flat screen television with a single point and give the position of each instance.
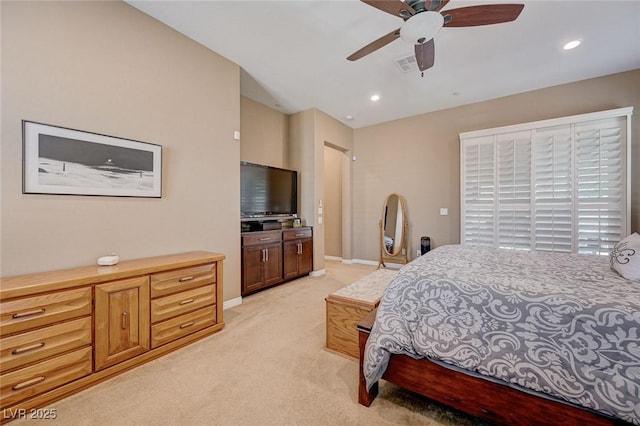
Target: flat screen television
(267, 192)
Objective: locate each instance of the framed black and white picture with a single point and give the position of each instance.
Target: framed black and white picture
(57, 160)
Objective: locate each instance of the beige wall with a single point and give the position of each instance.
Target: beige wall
(309, 132)
(419, 157)
(108, 68)
(333, 159)
(263, 134)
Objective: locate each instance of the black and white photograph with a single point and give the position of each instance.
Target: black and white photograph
(58, 160)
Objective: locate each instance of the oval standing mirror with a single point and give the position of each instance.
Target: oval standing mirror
(392, 225)
(393, 244)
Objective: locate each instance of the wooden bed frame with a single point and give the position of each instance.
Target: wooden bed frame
(481, 398)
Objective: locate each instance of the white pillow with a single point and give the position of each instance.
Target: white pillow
(625, 257)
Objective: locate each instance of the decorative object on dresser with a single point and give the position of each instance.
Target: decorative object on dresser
(142, 309)
(57, 160)
(110, 260)
(348, 305)
(272, 257)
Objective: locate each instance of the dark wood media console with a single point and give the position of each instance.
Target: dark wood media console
(273, 257)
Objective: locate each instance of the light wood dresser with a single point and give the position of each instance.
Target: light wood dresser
(63, 331)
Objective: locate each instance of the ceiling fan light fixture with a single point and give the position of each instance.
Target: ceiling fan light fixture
(421, 27)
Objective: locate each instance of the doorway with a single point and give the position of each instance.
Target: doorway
(333, 206)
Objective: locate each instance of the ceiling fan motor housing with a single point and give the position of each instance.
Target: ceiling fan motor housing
(421, 27)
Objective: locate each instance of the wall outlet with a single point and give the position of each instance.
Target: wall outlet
(418, 254)
(444, 211)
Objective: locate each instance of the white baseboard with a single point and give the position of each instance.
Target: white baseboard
(364, 262)
(339, 259)
(318, 273)
(231, 303)
(335, 258)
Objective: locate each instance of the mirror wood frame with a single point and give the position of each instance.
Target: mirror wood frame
(402, 256)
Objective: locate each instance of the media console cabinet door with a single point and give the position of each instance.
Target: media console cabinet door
(121, 320)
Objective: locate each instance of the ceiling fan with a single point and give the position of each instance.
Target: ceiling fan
(423, 20)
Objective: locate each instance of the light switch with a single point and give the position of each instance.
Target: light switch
(319, 220)
(236, 135)
(319, 210)
(444, 211)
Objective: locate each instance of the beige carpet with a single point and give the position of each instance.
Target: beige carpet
(267, 367)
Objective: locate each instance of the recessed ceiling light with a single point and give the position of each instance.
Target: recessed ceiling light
(572, 44)
(348, 117)
(375, 98)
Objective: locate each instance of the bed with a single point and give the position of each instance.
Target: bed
(512, 337)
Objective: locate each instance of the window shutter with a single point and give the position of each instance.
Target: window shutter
(552, 185)
(479, 188)
(601, 185)
(514, 190)
(553, 189)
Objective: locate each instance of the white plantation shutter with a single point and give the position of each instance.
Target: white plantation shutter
(479, 188)
(601, 182)
(553, 189)
(555, 185)
(514, 190)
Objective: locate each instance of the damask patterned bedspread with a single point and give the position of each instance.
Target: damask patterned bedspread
(562, 324)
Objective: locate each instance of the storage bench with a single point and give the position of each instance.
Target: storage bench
(348, 305)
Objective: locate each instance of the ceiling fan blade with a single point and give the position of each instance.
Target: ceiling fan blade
(375, 45)
(394, 7)
(472, 16)
(425, 55)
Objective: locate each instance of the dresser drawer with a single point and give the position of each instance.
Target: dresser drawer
(175, 328)
(261, 238)
(165, 283)
(23, 314)
(179, 303)
(33, 346)
(38, 378)
(295, 234)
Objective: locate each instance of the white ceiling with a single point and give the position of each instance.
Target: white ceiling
(293, 52)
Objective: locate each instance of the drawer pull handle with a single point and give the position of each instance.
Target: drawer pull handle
(124, 320)
(265, 239)
(185, 279)
(300, 235)
(189, 324)
(186, 301)
(18, 351)
(28, 383)
(29, 313)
